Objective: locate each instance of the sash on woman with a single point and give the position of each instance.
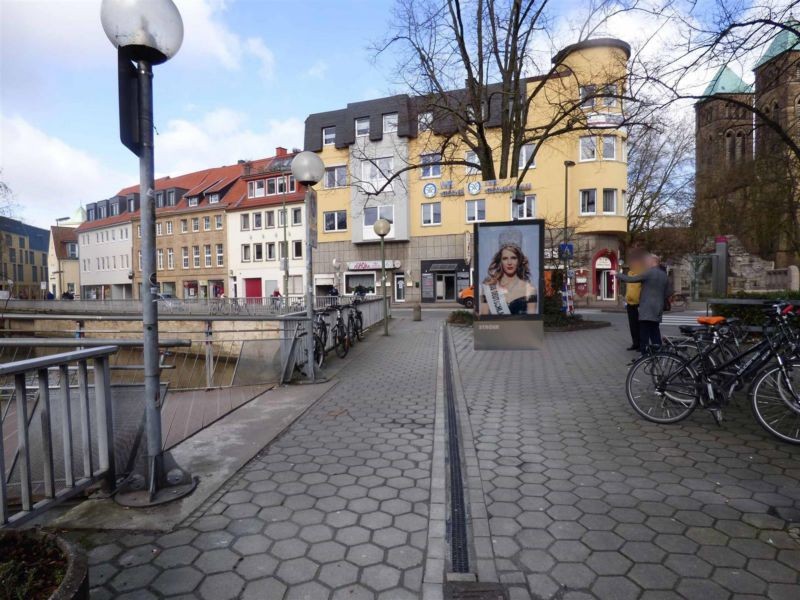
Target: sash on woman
(495, 299)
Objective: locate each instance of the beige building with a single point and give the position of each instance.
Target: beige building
(23, 259)
(63, 261)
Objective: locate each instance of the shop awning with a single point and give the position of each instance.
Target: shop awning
(443, 267)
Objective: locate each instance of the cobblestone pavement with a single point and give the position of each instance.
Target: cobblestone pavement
(586, 500)
(335, 508)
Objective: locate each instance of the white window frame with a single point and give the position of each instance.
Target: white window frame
(257, 216)
(336, 171)
(609, 212)
(220, 255)
(380, 179)
(613, 140)
(471, 156)
(246, 253)
(160, 259)
(207, 223)
(184, 225)
(207, 255)
(424, 121)
(171, 198)
(269, 219)
(297, 212)
(580, 199)
(475, 203)
(244, 222)
(430, 165)
(213, 198)
(258, 248)
(530, 202)
(588, 92)
(360, 121)
(193, 201)
(379, 213)
(429, 206)
(272, 187)
(185, 257)
(295, 245)
(281, 217)
(159, 229)
(336, 214)
(280, 185)
(195, 224)
(218, 221)
(329, 131)
(587, 139)
(170, 259)
(169, 227)
(525, 152)
(388, 127)
(292, 184)
(196, 257)
(269, 253)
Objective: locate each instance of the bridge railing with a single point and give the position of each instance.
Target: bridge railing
(29, 405)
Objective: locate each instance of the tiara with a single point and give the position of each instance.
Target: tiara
(511, 237)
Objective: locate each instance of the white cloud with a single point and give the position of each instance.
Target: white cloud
(257, 48)
(220, 137)
(318, 70)
(48, 175)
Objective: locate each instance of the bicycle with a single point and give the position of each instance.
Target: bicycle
(341, 341)
(666, 387)
(321, 326)
(355, 323)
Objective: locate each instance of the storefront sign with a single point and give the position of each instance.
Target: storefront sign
(452, 193)
(602, 263)
(493, 188)
(372, 265)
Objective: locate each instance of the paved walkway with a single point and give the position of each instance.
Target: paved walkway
(586, 500)
(335, 508)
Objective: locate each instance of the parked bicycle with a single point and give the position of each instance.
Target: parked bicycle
(339, 336)
(666, 386)
(355, 322)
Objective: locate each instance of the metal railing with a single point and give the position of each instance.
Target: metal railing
(33, 378)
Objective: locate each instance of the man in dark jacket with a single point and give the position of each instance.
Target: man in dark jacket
(651, 301)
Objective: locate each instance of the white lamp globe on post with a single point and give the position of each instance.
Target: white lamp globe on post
(382, 227)
(146, 33)
(308, 170)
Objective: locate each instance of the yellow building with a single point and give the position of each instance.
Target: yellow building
(23, 260)
(433, 209)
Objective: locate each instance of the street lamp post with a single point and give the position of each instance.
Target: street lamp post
(145, 33)
(308, 170)
(381, 229)
(567, 165)
(58, 260)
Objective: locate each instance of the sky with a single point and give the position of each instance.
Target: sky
(246, 77)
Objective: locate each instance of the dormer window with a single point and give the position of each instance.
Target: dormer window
(213, 199)
(291, 183)
(193, 201)
(281, 185)
(271, 186)
(171, 198)
(390, 123)
(328, 136)
(90, 214)
(114, 209)
(362, 127)
(131, 205)
(424, 121)
(103, 212)
(255, 189)
(72, 250)
(160, 200)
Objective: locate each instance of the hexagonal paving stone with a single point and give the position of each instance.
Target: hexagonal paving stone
(134, 578)
(338, 573)
(653, 577)
(365, 554)
(177, 581)
(257, 566)
(351, 536)
(223, 586)
(380, 577)
(281, 531)
(212, 540)
(327, 552)
(251, 544)
(175, 557)
(261, 589)
(288, 549)
(297, 570)
(216, 561)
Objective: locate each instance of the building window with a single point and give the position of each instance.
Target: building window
(103, 212)
(270, 215)
(355, 281)
(292, 183)
(526, 154)
(335, 177)
(609, 147)
(282, 217)
(255, 189)
(258, 252)
(195, 223)
(431, 165)
(72, 250)
(160, 259)
(90, 214)
(185, 255)
(297, 249)
(257, 220)
(213, 199)
(281, 184)
(207, 254)
(526, 210)
(171, 198)
(362, 127)
(34, 273)
(588, 148)
(297, 216)
(587, 96)
(610, 95)
(193, 201)
(472, 157)
(169, 227)
(184, 225)
(588, 202)
(476, 211)
(245, 222)
(610, 201)
(245, 252)
(160, 200)
(170, 258)
(328, 136)
(114, 209)
(373, 213)
(335, 220)
(424, 121)
(158, 228)
(271, 187)
(140, 261)
(138, 231)
(432, 213)
(220, 255)
(390, 123)
(377, 173)
(218, 221)
(270, 250)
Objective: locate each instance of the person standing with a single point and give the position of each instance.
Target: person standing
(651, 301)
(632, 294)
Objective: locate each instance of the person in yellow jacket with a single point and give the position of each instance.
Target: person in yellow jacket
(632, 293)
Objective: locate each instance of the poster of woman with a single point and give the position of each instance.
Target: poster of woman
(508, 274)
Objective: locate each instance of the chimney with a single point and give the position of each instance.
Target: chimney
(280, 151)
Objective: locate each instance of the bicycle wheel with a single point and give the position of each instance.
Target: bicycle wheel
(775, 402)
(351, 330)
(340, 343)
(319, 351)
(323, 332)
(661, 388)
(359, 326)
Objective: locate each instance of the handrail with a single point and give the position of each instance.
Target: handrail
(55, 360)
(35, 342)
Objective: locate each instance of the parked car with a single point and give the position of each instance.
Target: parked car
(467, 297)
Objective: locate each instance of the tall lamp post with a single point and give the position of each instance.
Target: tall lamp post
(58, 260)
(308, 169)
(565, 254)
(381, 229)
(146, 33)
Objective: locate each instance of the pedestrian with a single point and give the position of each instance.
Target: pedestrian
(651, 301)
(633, 291)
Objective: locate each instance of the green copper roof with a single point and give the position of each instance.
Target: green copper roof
(785, 40)
(726, 82)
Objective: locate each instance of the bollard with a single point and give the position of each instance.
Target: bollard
(417, 312)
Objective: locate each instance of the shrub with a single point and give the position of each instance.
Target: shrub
(752, 314)
(461, 317)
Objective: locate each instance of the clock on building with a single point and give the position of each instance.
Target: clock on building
(429, 190)
(474, 187)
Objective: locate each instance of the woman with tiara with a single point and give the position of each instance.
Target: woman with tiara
(507, 288)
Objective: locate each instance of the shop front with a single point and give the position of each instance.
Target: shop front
(190, 290)
(443, 280)
(364, 276)
(604, 264)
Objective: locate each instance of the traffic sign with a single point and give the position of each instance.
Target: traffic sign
(566, 250)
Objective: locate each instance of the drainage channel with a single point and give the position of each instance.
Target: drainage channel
(472, 573)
